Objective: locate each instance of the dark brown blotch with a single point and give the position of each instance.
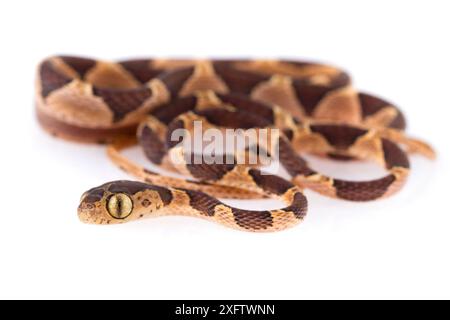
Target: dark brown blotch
(175, 79)
(51, 79)
(164, 193)
(299, 206)
(270, 183)
(244, 103)
(122, 102)
(237, 119)
(371, 105)
(140, 69)
(80, 65)
(133, 187)
(176, 124)
(202, 202)
(167, 112)
(153, 147)
(253, 220)
(394, 156)
(125, 186)
(94, 195)
(209, 172)
(339, 136)
(291, 161)
(237, 80)
(289, 134)
(363, 190)
(309, 96)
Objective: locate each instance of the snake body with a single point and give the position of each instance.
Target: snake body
(313, 105)
(146, 200)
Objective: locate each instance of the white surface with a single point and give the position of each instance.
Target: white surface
(396, 248)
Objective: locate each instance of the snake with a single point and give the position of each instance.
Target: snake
(144, 101)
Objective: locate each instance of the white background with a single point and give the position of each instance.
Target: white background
(395, 248)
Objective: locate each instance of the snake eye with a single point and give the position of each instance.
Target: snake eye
(120, 206)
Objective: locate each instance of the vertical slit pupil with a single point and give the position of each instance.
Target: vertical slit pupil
(119, 206)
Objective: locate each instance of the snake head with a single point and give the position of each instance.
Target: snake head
(122, 201)
(107, 204)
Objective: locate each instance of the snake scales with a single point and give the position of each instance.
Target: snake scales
(314, 106)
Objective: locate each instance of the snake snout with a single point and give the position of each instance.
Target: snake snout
(88, 213)
(90, 207)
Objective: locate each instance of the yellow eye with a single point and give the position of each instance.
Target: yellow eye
(119, 206)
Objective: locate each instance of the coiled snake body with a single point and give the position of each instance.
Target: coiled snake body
(313, 105)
